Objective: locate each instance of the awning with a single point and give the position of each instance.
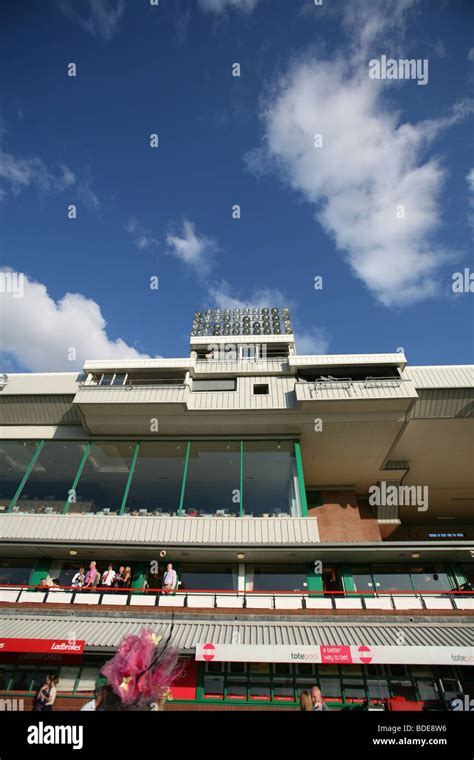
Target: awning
(106, 632)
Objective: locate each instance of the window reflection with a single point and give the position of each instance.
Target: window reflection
(50, 481)
(213, 479)
(270, 480)
(103, 478)
(157, 479)
(15, 457)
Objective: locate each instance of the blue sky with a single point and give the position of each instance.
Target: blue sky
(383, 209)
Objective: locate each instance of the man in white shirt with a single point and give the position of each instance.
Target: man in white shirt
(170, 580)
(108, 577)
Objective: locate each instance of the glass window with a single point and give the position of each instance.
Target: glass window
(89, 676)
(215, 667)
(427, 690)
(103, 478)
(119, 378)
(23, 679)
(5, 675)
(330, 689)
(208, 577)
(259, 689)
(378, 688)
(278, 578)
(354, 689)
(270, 480)
(237, 667)
(468, 570)
(157, 478)
(106, 379)
(282, 667)
(283, 688)
(48, 486)
(430, 578)
(403, 689)
(363, 580)
(213, 479)
(214, 686)
(304, 668)
(237, 687)
(67, 678)
(389, 578)
(15, 458)
(15, 571)
(215, 385)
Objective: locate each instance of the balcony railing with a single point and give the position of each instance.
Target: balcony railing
(350, 601)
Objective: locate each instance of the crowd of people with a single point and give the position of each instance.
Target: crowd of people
(110, 578)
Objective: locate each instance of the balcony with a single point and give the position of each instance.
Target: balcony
(249, 601)
(393, 393)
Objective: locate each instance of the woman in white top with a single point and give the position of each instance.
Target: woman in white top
(78, 579)
(52, 693)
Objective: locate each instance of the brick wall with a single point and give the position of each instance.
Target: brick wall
(341, 518)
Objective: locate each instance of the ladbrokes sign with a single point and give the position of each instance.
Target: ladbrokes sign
(44, 646)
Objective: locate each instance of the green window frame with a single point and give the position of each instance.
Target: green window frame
(89, 442)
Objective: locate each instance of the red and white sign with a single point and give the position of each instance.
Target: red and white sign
(340, 655)
(47, 646)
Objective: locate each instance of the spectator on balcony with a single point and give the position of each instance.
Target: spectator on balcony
(319, 704)
(108, 577)
(92, 576)
(306, 704)
(119, 577)
(78, 579)
(127, 577)
(170, 580)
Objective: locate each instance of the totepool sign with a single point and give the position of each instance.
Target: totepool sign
(336, 655)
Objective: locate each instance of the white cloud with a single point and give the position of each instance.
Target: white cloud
(220, 6)
(103, 19)
(17, 174)
(368, 22)
(470, 55)
(39, 332)
(222, 297)
(143, 238)
(369, 166)
(193, 249)
(315, 341)
(470, 180)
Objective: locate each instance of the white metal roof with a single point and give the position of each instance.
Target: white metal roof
(442, 376)
(109, 631)
(332, 360)
(168, 531)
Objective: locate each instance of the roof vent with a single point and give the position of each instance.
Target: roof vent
(396, 464)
